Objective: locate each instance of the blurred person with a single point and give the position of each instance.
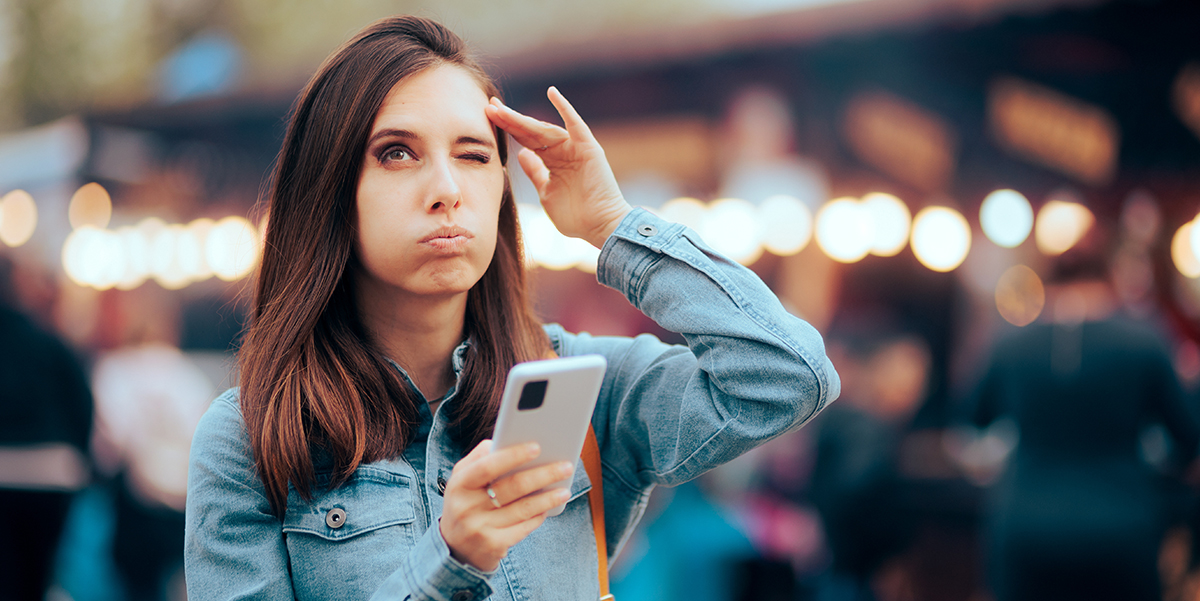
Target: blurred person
(353, 460)
(149, 398)
(1078, 513)
(759, 150)
(857, 485)
(45, 418)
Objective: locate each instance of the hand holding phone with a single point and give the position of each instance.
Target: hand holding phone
(550, 402)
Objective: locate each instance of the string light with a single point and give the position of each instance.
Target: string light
(941, 238)
(1006, 218)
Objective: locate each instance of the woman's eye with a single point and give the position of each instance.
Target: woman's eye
(395, 153)
(478, 157)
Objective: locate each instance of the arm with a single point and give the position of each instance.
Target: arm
(751, 370)
(754, 371)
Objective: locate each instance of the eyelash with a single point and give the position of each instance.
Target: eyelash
(478, 157)
(384, 156)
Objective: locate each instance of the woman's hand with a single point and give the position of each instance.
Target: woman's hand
(568, 168)
(478, 527)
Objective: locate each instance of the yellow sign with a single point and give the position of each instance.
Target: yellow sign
(1052, 129)
(901, 139)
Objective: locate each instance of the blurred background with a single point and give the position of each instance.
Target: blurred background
(959, 194)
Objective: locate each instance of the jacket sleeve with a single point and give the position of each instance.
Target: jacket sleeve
(234, 545)
(750, 372)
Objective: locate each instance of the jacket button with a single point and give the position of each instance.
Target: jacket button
(647, 230)
(336, 518)
(441, 482)
(462, 595)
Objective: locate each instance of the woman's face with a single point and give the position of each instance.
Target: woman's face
(430, 188)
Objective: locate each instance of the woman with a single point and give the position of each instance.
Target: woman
(391, 302)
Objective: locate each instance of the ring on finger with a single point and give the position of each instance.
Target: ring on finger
(543, 148)
(492, 495)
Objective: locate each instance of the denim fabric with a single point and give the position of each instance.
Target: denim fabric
(666, 414)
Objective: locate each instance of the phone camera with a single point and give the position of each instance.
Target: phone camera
(532, 395)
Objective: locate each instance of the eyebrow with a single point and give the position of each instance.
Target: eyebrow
(408, 135)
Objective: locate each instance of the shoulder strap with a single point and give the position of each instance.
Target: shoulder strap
(591, 463)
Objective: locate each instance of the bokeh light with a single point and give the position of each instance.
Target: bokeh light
(94, 257)
(232, 248)
(545, 246)
(18, 218)
(685, 211)
(1181, 251)
(890, 220)
(1060, 225)
(137, 257)
(731, 229)
(1020, 295)
(174, 255)
(785, 224)
(90, 205)
(941, 238)
(1006, 218)
(845, 230)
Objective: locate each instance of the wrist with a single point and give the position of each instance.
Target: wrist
(599, 235)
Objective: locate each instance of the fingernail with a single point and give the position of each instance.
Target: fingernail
(562, 494)
(533, 448)
(565, 468)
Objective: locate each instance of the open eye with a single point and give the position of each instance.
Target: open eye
(395, 153)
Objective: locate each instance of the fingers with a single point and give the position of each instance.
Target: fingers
(524, 482)
(482, 466)
(575, 124)
(533, 507)
(537, 171)
(527, 131)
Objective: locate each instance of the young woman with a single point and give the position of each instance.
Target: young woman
(354, 462)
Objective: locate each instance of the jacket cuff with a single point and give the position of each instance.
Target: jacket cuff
(624, 257)
(435, 574)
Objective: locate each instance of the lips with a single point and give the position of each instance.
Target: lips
(448, 239)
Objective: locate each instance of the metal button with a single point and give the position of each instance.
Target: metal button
(336, 518)
(647, 230)
(462, 595)
(441, 485)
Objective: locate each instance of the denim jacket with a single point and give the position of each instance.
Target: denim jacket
(666, 414)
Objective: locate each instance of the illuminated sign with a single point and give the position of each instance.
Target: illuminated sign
(1054, 130)
(901, 139)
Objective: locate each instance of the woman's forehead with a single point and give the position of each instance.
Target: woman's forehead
(440, 96)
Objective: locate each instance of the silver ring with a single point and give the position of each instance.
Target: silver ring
(492, 495)
(543, 148)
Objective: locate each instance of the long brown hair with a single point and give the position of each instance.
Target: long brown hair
(312, 381)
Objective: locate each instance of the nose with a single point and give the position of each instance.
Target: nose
(443, 192)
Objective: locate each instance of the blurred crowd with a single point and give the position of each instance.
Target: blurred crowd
(967, 459)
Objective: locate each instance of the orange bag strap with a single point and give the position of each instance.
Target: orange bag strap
(591, 464)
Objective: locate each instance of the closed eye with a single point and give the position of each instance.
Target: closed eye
(482, 158)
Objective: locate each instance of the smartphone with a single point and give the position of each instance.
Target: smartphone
(550, 402)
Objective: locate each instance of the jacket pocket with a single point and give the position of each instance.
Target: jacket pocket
(372, 499)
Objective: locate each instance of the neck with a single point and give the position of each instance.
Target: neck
(419, 333)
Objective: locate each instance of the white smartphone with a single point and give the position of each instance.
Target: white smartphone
(550, 402)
